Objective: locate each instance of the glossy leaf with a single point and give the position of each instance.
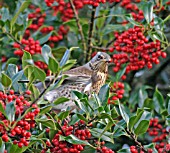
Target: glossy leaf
(106, 136)
(158, 101)
(45, 38)
(151, 146)
(25, 58)
(148, 11)
(81, 117)
(15, 80)
(142, 127)
(10, 111)
(69, 64)
(12, 60)
(63, 115)
(2, 145)
(134, 119)
(74, 140)
(123, 113)
(120, 73)
(39, 74)
(5, 80)
(74, 119)
(53, 65)
(47, 122)
(60, 100)
(45, 109)
(131, 20)
(65, 57)
(104, 94)
(2, 110)
(21, 9)
(114, 112)
(12, 70)
(46, 53)
(148, 103)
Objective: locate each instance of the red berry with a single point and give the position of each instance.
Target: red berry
(5, 138)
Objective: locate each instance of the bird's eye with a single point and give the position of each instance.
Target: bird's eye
(100, 57)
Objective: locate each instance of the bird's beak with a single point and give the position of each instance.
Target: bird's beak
(108, 60)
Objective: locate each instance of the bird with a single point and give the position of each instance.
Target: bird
(88, 79)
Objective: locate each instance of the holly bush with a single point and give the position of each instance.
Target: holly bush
(41, 39)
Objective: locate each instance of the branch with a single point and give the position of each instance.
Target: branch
(79, 28)
(110, 42)
(91, 33)
(136, 141)
(41, 94)
(10, 35)
(100, 48)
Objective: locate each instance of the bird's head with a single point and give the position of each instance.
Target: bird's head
(100, 61)
(101, 57)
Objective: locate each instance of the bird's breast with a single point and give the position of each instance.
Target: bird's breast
(98, 81)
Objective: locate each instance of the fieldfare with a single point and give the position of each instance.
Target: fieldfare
(88, 79)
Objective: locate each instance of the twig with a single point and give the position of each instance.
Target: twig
(135, 140)
(10, 35)
(79, 28)
(100, 48)
(41, 94)
(91, 32)
(110, 42)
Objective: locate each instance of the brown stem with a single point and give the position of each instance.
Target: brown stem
(100, 48)
(110, 42)
(79, 28)
(10, 35)
(136, 141)
(89, 49)
(41, 94)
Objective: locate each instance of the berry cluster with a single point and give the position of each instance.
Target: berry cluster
(17, 131)
(135, 49)
(31, 46)
(104, 149)
(118, 90)
(134, 149)
(160, 134)
(79, 130)
(130, 5)
(62, 30)
(94, 3)
(64, 8)
(37, 18)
